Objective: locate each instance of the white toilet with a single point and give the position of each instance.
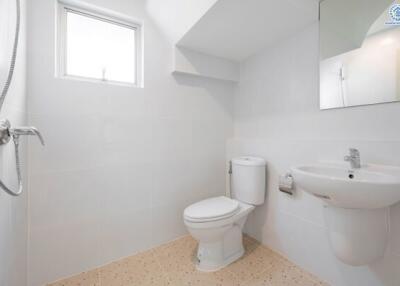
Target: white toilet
(217, 223)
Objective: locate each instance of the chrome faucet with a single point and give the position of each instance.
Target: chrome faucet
(6, 134)
(15, 132)
(354, 158)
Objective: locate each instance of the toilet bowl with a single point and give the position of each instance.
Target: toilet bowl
(219, 237)
(217, 223)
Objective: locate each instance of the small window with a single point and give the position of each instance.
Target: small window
(97, 47)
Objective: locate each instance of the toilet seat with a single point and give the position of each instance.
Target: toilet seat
(212, 209)
(244, 210)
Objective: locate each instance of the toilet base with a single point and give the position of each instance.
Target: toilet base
(221, 241)
(208, 268)
(212, 255)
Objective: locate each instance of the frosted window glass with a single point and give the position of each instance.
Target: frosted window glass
(100, 49)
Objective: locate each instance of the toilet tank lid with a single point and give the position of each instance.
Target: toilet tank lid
(249, 161)
(212, 208)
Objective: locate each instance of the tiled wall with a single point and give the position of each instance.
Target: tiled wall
(120, 163)
(277, 117)
(13, 211)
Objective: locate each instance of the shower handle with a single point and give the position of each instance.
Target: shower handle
(6, 132)
(27, 131)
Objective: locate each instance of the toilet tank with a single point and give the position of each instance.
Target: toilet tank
(248, 180)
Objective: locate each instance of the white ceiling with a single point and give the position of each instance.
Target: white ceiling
(237, 29)
(175, 17)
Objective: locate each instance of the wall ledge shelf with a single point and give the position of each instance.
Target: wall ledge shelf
(236, 29)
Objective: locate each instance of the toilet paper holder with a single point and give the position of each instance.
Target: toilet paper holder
(286, 184)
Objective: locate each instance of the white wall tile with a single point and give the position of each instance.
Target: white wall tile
(120, 164)
(277, 117)
(13, 211)
(167, 222)
(64, 249)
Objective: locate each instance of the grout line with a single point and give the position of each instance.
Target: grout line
(304, 220)
(258, 139)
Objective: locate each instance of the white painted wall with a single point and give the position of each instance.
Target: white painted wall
(120, 163)
(356, 18)
(176, 17)
(13, 211)
(193, 63)
(236, 29)
(277, 117)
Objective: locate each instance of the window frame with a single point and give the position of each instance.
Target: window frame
(102, 15)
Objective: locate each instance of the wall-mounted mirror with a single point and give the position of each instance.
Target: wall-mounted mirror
(360, 52)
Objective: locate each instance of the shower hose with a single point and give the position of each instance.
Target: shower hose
(3, 96)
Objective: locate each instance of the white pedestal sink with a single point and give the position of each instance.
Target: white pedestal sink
(357, 206)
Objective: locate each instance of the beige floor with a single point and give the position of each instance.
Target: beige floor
(172, 264)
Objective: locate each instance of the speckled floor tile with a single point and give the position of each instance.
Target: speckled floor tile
(173, 264)
(90, 278)
(256, 260)
(196, 278)
(295, 270)
(280, 275)
(178, 255)
(142, 269)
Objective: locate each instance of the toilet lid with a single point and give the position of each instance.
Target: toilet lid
(211, 209)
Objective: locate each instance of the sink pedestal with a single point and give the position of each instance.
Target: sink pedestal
(357, 236)
(357, 211)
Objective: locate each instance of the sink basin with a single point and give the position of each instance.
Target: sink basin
(371, 187)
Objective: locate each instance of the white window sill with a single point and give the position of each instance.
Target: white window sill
(99, 81)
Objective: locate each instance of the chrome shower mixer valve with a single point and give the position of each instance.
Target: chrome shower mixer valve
(6, 132)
